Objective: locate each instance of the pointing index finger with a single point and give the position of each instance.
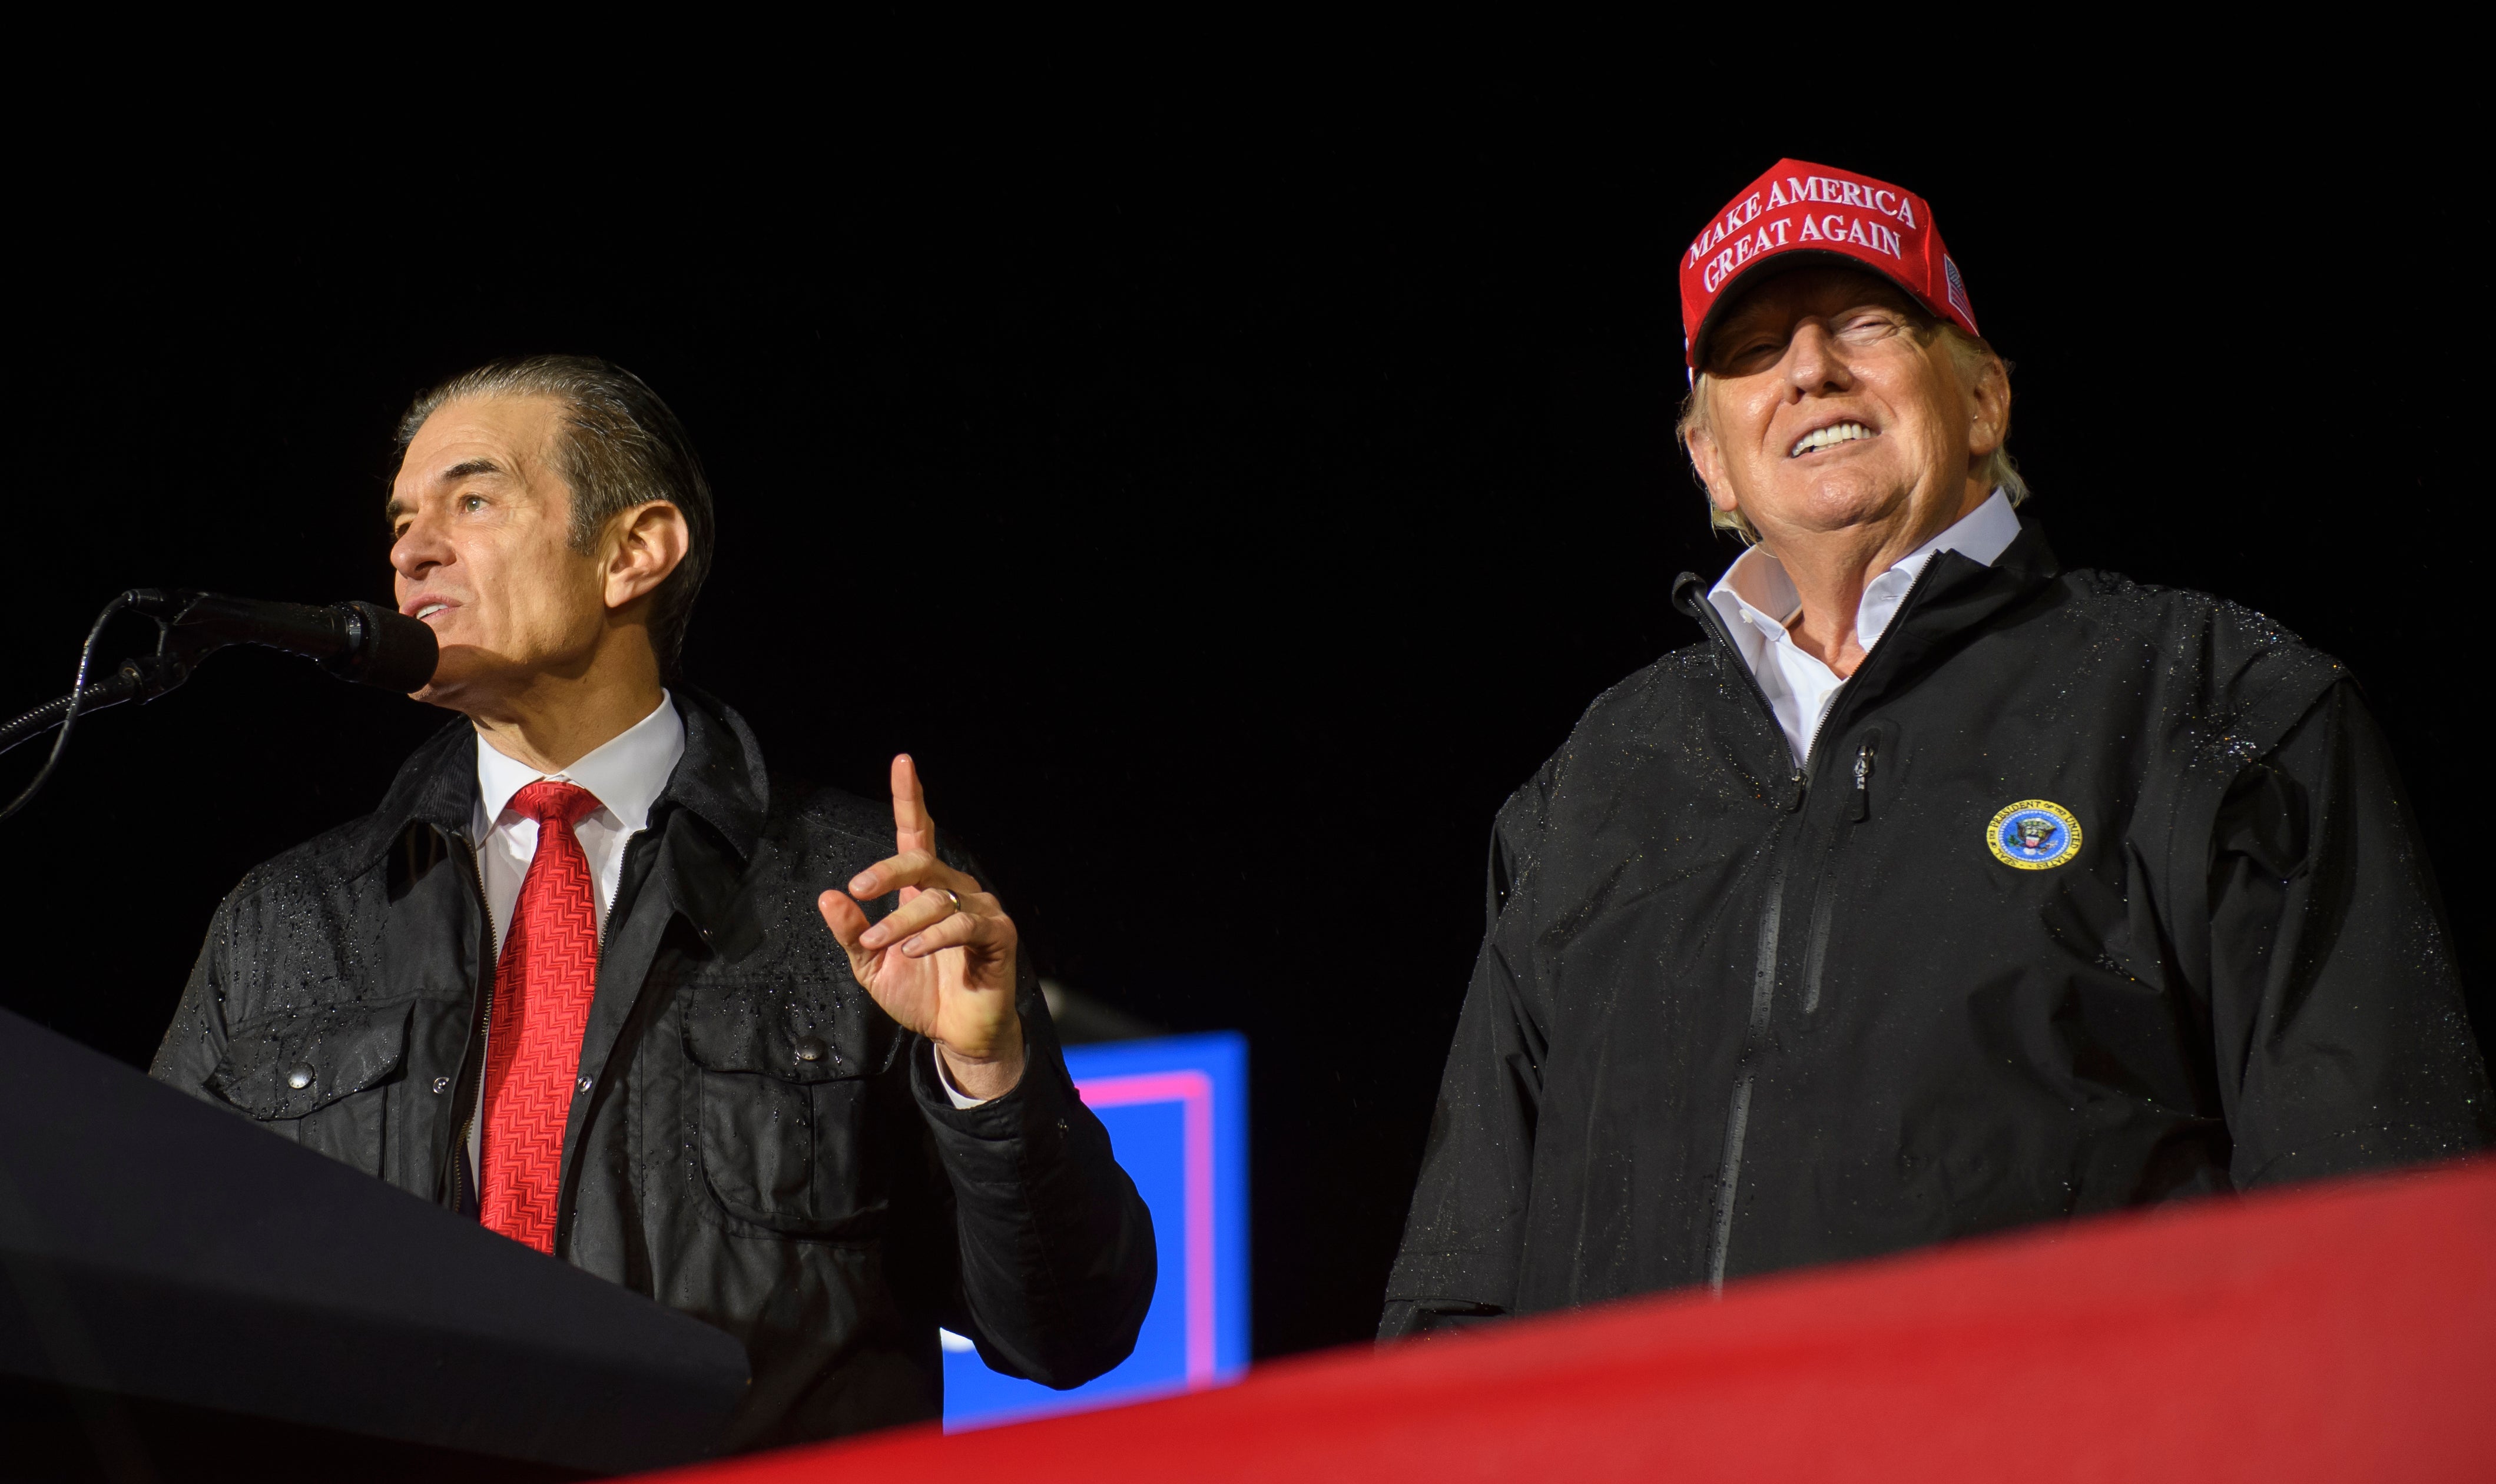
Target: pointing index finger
(912, 827)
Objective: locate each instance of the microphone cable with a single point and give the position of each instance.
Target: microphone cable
(69, 706)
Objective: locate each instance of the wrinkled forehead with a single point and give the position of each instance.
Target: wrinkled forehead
(509, 437)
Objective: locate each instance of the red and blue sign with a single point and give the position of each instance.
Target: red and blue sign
(1176, 1108)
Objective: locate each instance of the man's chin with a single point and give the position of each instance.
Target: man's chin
(459, 679)
(436, 693)
(1840, 497)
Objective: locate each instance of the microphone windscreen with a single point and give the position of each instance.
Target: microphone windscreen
(398, 651)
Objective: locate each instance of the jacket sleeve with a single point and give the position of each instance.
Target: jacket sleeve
(1056, 1249)
(1464, 1236)
(2337, 1013)
(196, 1042)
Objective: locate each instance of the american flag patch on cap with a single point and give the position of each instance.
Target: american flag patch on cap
(1957, 288)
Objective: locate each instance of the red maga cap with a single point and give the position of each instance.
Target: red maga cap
(1800, 213)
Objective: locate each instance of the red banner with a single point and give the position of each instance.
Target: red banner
(2340, 1331)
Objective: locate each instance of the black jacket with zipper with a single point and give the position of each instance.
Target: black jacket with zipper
(754, 1142)
(1731, 1017)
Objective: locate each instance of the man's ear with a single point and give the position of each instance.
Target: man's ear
(1706, 458)
(1989, 409)
(649, 541)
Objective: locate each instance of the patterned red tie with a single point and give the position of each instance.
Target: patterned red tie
(542, 985)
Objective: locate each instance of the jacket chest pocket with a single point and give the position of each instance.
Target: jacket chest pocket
(320, 1076)
(791, 1108)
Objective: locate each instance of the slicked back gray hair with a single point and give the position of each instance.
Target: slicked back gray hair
(620, 448)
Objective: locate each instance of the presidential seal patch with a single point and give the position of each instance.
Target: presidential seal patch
(2034, 835)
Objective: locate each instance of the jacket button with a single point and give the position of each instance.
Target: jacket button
(587, 1084)
(439, 1083)
(301, 1076)
(811, 1048)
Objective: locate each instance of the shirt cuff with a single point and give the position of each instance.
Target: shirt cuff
(945, 1080)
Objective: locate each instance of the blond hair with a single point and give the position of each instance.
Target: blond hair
(1969, 355)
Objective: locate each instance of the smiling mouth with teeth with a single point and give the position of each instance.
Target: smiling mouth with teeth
(1829, 438)
(430, 609)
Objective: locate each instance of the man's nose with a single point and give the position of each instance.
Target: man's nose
(419, 549)
(1812, 361)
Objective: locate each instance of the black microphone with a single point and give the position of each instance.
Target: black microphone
(360, 641)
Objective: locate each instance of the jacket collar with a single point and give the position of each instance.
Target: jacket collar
(1953, 600)
(436, 785)
(719, 779)
(1959, 596)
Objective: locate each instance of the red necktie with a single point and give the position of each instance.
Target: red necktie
(543, 986)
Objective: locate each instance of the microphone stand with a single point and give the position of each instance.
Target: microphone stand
(189, 628)
(141, 680)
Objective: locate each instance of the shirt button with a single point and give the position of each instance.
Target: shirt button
(301, 1076)
(811, 1048)
(587, 1084)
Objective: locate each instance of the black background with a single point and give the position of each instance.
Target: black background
(1226, 514)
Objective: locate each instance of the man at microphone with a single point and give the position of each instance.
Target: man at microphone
(592, 976)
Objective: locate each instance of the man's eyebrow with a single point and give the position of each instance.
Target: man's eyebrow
(465, 468)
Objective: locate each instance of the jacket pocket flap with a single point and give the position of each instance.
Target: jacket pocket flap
(808, 1034)
(288, 1064)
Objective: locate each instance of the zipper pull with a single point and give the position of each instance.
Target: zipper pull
(1863, 809)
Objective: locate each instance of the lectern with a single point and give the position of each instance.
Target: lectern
(183, 1295)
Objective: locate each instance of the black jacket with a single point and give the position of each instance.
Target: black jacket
(1731, 1017)
(829, 1210)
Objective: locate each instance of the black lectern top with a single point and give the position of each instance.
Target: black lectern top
(154, 1245)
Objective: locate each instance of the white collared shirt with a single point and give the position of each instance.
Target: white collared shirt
(626, 772)
(1758, 600)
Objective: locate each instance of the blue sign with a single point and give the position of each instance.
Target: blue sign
(1176, 1109)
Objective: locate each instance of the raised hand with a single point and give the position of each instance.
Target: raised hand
(943, 962)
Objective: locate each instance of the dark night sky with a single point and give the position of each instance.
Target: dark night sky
(1228, 517)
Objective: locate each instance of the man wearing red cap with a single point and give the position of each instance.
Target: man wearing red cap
(1937, 889)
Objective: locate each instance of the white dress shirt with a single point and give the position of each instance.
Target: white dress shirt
(1758, 600)
(626, 773)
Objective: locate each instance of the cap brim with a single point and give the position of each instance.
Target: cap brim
(1760, 269)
